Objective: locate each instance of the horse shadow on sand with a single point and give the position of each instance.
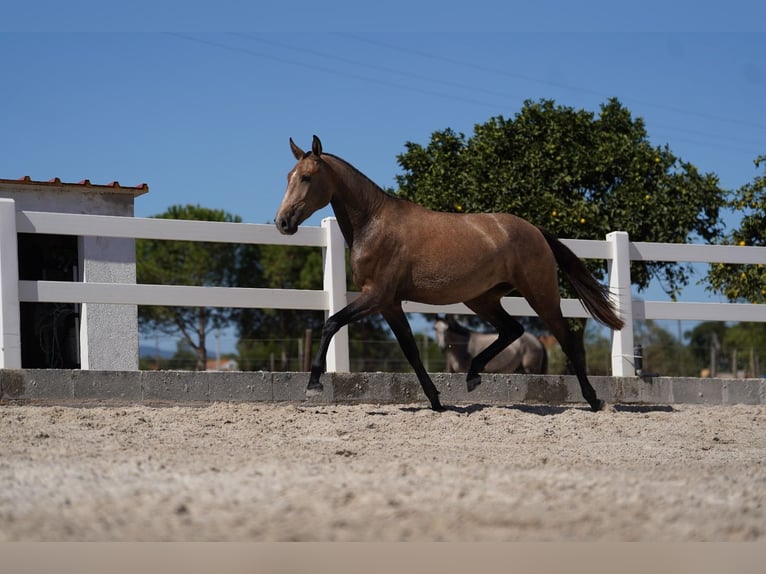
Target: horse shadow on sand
(544, 410)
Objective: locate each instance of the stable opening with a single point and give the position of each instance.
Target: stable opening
(50, 332)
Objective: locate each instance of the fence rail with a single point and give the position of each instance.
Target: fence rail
(616, 249)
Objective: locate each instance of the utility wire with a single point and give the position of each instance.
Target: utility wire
(716, 139)
(489, 69)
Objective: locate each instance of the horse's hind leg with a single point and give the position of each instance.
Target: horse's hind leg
(508, 330)
(397, 320)
(566, 338)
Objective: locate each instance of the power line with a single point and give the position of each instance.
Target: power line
(377, 67)
(498, 71)
(312, 65)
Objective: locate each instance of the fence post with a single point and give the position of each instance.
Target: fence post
(619, 286)
(335, 285)
(10, 323)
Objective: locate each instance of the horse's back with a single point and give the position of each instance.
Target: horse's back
(448, 257)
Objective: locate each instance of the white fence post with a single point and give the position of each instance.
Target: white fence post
(10, 323)
(619, 286)
(335, 286)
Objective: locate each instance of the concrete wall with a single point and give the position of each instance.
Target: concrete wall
(109, 333)
(150, 387)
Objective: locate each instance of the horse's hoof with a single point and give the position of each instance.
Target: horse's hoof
(314, 390)
(437, 407)
(598, 405)
(473, 382)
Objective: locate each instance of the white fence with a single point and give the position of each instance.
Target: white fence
(616, 249)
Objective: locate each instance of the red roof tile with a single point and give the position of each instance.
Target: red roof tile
(142, 188)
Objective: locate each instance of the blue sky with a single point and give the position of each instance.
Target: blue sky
(204, 116)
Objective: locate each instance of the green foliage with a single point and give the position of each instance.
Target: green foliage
(598, 350)
(663, 354)
(275, 332)
(191, 263)
(577, 174)
(263, 333)
(746, 283)
(743, 343)
(702, 337)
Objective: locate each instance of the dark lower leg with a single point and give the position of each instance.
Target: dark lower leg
(573, 350)
(479, 362)
(352, 312)
(508, 330)
(576, 356)
(397, 320)
(318, 364)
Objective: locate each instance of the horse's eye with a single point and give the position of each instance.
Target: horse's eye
(306, 178)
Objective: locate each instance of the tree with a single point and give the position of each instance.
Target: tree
(705, 341)
(577, 174)
(745, 282)
(277, 331)
(192, 263)
(263, 332)
(718, 346)
(745, 344)
(663, 354)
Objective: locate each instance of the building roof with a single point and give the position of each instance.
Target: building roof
(85, 184)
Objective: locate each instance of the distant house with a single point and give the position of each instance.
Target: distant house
(222, 365)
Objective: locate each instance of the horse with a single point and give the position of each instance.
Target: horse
(402, 251)
(526, 354)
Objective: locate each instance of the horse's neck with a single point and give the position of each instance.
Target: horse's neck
(457, 346)
(355, 201)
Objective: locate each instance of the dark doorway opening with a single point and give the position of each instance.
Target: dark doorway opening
(49, 331)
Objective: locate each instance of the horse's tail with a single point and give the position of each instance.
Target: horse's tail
(593, 295)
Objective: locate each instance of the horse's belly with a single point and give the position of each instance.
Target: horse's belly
(448, 286)
(434, 294)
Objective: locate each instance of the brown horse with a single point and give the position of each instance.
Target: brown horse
(526, 354)
(400, 251)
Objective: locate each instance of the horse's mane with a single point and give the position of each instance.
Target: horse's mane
(362, 176)
(457, 327)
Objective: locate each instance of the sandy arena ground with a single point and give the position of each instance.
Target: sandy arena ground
(275, 472)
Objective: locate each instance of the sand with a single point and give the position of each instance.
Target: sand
(279, 472)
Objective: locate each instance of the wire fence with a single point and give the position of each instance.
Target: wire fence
(667, 357)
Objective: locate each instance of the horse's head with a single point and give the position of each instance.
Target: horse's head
(440, 328)
(455, 326)
(308, 188)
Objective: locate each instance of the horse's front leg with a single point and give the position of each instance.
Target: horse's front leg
(357, 309)
(397, 320)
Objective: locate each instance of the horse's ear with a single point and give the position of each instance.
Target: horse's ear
(297, 152)
(316, 147)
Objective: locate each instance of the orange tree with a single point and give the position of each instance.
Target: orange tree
(576, 173)
(745, 282)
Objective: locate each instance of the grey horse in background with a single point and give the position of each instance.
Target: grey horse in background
(526, 354)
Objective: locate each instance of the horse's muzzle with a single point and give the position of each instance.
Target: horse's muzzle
(287, 225)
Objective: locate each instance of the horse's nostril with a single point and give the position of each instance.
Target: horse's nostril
(283, 224)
